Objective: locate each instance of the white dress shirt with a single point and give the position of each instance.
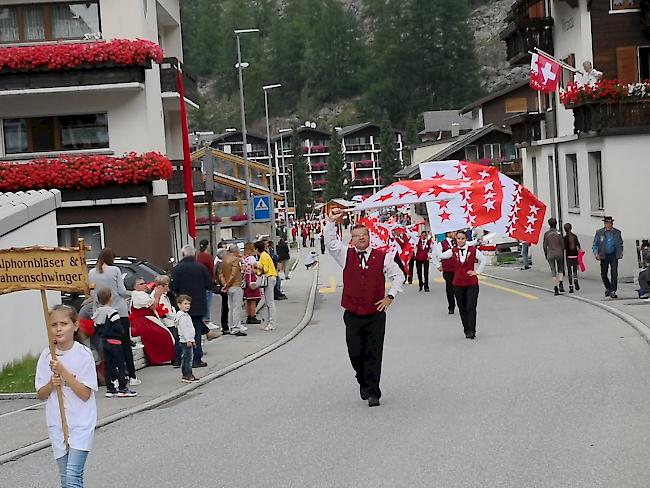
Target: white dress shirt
(462, 255)
(339, 252)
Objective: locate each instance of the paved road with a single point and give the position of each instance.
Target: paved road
(553, 393)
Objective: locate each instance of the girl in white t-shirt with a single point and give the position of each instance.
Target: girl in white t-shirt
(74, 369)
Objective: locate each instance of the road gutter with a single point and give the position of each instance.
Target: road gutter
(161, 400)
(633, 322)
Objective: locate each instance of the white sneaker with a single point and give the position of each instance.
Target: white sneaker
(269, 327)
(134, 381)
(243, 328)
(116, 383)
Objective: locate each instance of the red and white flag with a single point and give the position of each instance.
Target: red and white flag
(544, 73)
(526, 216)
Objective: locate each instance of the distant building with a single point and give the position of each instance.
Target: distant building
(444, 124)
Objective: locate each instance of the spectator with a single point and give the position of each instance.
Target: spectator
(206, 259)
(525, 258)
(252, 294)
(221, 252)
(608, 249)
(231, 284)
(192, 279)
(554, 251)
(571, 249)
(283, 257)
(167, 313)
(590, 77)
(106, 275)
(311, 260)
(279, 295)
(644, 276)
(186, 334)
(267, 273)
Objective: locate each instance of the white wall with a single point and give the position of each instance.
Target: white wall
(22, 324)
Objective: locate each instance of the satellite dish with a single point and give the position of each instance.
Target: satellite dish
(312, 125)
(307, 123)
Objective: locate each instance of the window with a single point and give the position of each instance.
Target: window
(509, 151)
(492, 151)
(644, 63)
(596, 181)
(471, 153)
(516, 105)
(567, 76)
(533, 169)
(625, 4)
(48, 22)
(92, 234)
(59, 133)
(573, 193)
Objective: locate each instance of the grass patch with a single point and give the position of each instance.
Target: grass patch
(18, 377)
(506, 258)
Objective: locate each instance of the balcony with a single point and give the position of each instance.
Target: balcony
(612, 117)
(358, 147)
(169, 80)
(176, 184)
(524, 34)
(511, 168)
(525, 127)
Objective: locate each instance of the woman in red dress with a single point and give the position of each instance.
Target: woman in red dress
(251, 293)
(158, 341)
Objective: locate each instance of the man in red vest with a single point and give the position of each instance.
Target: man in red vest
(465, 280)
(422, 251)
(364, 301)
(447, 268)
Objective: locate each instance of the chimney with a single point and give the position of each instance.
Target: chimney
(455, 129)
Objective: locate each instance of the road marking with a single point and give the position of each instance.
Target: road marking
(484, 281)
(329, 289)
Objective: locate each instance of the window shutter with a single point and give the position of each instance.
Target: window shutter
(627, 64)
(536, 11)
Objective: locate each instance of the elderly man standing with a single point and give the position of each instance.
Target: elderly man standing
(192, 278)
(231, 277)
(608, 249)
(365, 301)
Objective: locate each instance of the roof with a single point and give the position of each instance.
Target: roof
(351, 129)
(494, 95)
(459, 143)
(442, 120)
(20, 208)
(301, 129)
(226, 135)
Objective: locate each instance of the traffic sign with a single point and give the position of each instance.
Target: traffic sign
(261, 208)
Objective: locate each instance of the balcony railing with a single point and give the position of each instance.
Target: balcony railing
(522, 35)
(511, 168)
(611, 118)
(177, 182)
(358, 147)
(169, 79)
(525, 127)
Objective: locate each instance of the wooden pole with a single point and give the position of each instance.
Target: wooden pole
(59, 391)
(82, 257)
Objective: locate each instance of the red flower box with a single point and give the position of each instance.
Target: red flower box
(239, 218)
(605, 91)
(205, 221)
(84, 171)
(56, 57)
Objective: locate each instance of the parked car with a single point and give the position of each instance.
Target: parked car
(131, 268)
(498, 244)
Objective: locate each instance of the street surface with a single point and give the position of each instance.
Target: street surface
(553, 393)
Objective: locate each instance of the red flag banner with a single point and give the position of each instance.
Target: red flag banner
(544, 73)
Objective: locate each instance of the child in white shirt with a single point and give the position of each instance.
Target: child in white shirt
(186, 335)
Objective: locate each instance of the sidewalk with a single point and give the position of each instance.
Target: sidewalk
(627, 304)
(22, 428)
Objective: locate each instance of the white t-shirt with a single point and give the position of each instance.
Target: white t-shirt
(141, 299)
(81, 416)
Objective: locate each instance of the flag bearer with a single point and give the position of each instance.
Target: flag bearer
(447, 268)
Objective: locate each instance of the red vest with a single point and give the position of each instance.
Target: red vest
(461, 278)
(362, 288)
(423, 249)
(448, 265)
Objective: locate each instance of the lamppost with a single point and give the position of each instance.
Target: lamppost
(284, 175)
(293, 191)
(266, 89)
(240, 68)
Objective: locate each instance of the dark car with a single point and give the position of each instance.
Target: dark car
(131, 268)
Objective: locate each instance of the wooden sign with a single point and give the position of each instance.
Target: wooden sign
(41, 268)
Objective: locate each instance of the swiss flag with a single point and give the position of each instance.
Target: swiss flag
(544, 73)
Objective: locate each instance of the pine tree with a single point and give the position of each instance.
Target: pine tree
(336, 187)
(390, 163)
(410, 138)
(303, 198)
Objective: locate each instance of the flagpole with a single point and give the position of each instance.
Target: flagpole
(561, 63)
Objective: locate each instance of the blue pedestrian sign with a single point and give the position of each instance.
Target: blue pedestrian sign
(261, 208)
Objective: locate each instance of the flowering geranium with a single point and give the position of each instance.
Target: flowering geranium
(84, 171)
(205, 221)
(605, 91)
(239, 218)
(54, 57)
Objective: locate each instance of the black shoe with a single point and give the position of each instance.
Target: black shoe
(450, 311)
(239, 333)
(420, 289)
(373, 401)
(613, 295)
(253, 320)
(410, 282)
(470, 336)
(556, 291)
(200, 364)
(607, 293)
(561, 286)
(576, 284)
(570, 289)
(280, 297)
(363, 393)
(426, 289)
(176, 364)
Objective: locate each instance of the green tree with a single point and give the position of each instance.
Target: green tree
(303, 198)
(336, 187)
(390, 163)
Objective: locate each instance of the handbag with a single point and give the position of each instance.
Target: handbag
(262, 281)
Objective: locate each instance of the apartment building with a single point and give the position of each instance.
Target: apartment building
(588, 158)
(102, 108)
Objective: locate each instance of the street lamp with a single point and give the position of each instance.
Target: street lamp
(284, 173)
(240, 67)
(293, 191)
(266, 89)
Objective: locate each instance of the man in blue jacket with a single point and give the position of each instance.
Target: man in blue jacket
(608, 249)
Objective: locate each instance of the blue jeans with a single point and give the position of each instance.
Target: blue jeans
(524, 254)
(186, 360)
(71, 468)
(198, 335)
(208, 295)
(278, 284)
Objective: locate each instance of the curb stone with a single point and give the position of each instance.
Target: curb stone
(18, 396)
(306, 319)
(636, 324)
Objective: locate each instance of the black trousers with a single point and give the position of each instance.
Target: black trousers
(607, 263)
(224, 311)
(410, 275)
(114, 365)
(449, 288)
(467, 298)
(126, 347)
(365, 339)
(399, 263)
(423, 266)
(572, 269)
